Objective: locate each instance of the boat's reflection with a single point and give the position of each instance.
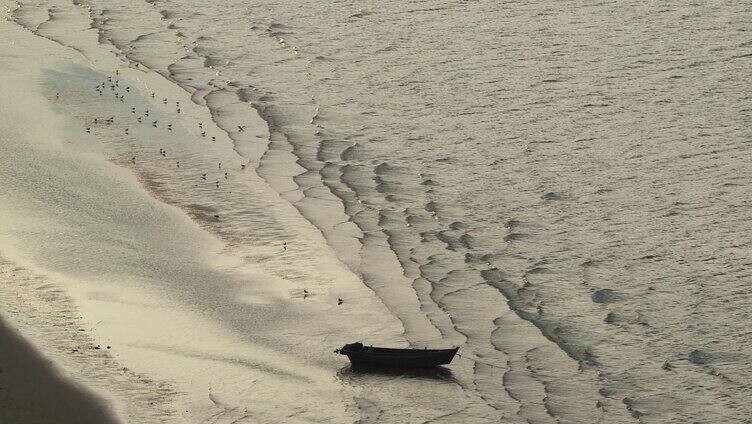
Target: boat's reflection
(436, 373)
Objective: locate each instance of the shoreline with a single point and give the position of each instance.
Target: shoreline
(396, 318)
(193, 315)
(382, 302)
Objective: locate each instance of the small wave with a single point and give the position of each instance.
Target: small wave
(515, 236)
(350, 153)
(552, 196)
(456, 225)
(606, 296)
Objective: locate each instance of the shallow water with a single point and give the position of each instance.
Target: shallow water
(559, 188)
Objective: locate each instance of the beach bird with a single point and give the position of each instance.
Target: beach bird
(154, 124)
(339, 301)
(214, 138)
(152, 95)
(133, 110)
(241, 128)
(178, 110)
(178, 164)
(88, 130)
(139, 119)
(225, 175)
(133, 159)
(126, 130)
(203, 176)
(201, 125)
(220, 165)
(57, 95)
(203, 134)
(169, 127)
(164, 101)
(217, 183)
(242, 166)
(128, 89)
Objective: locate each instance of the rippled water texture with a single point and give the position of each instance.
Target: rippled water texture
(561, 188)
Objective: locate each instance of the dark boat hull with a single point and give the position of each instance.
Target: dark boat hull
(370, 357)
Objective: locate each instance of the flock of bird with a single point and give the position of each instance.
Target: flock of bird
(114, 87)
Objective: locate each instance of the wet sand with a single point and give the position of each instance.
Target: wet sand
(185, 278)
(33, 391)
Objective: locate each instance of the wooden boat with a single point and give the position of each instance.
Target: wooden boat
(382, 357)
